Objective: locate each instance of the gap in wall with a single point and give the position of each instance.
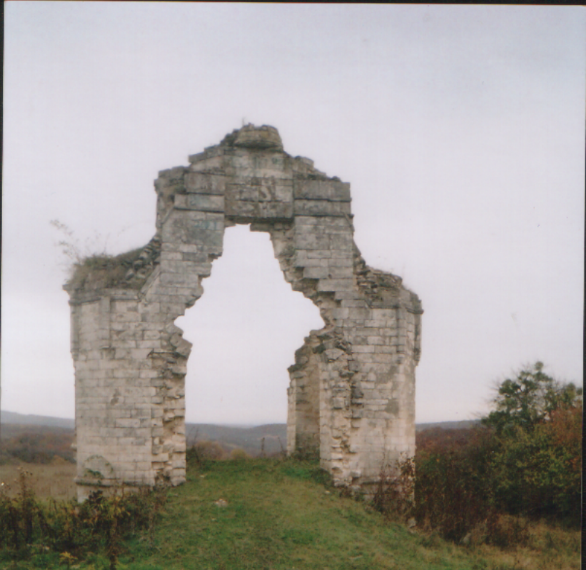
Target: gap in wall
(245, 330)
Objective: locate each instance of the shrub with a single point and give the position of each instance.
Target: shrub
(525, 460)
(453, 489)
(238, 454)
(38, 447)
(71, 529)
(538, 424)
(538, 473)
(439, 439)
(530, 399)
(202, 451)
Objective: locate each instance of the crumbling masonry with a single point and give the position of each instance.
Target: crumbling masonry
(352, 391)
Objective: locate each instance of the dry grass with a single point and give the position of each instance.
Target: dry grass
(102, 271)
(52, 480)
(548, 547)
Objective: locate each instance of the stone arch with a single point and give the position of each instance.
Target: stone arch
(351, 396)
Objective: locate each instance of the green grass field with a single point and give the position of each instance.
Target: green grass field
(284, 515)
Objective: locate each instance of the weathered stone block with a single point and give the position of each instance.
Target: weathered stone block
(204, 163)
(200, 202)
(255, 189)
(251, 210)
(318, 272)
(321, 190)
(312, 240)
(321, 208)
(335, 285)
(203, 183)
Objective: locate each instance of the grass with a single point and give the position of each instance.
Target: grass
(49, 480)
(548, 546)
(278, 514)
(102, 271)
(285, 515)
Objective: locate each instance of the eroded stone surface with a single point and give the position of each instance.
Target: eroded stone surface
(352, 390)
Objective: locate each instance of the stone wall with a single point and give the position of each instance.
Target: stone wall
(352, 391)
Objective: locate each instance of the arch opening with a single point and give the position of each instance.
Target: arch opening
(245, 330)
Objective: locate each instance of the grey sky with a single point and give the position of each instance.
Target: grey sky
(460, 129)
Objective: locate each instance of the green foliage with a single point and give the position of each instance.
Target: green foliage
(32, 529)
(538, 425)
(530, 399)
(454, 491)
(267, 513)
(538, 471)
(524, 460)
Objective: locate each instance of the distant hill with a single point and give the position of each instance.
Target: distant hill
(33, 420)
(248, 438)
(462, 424)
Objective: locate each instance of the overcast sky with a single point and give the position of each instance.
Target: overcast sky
(460, 129)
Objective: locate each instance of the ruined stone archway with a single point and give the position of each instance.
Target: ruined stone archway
(352, 390)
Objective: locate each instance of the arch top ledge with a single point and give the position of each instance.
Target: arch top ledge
(248, 177)
(351, 397)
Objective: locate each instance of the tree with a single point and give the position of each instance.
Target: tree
(536, 463)
(530, 399)
(525, 460)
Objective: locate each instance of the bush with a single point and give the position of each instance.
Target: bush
(394, 491)
(454, 487)
(530, 399)
(239, 454)
(524, 461)
(70, 529)
(538, 472)
(538, 425)
(202, 451)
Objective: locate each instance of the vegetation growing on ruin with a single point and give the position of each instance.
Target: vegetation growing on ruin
(102, 271)
(88, 270)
